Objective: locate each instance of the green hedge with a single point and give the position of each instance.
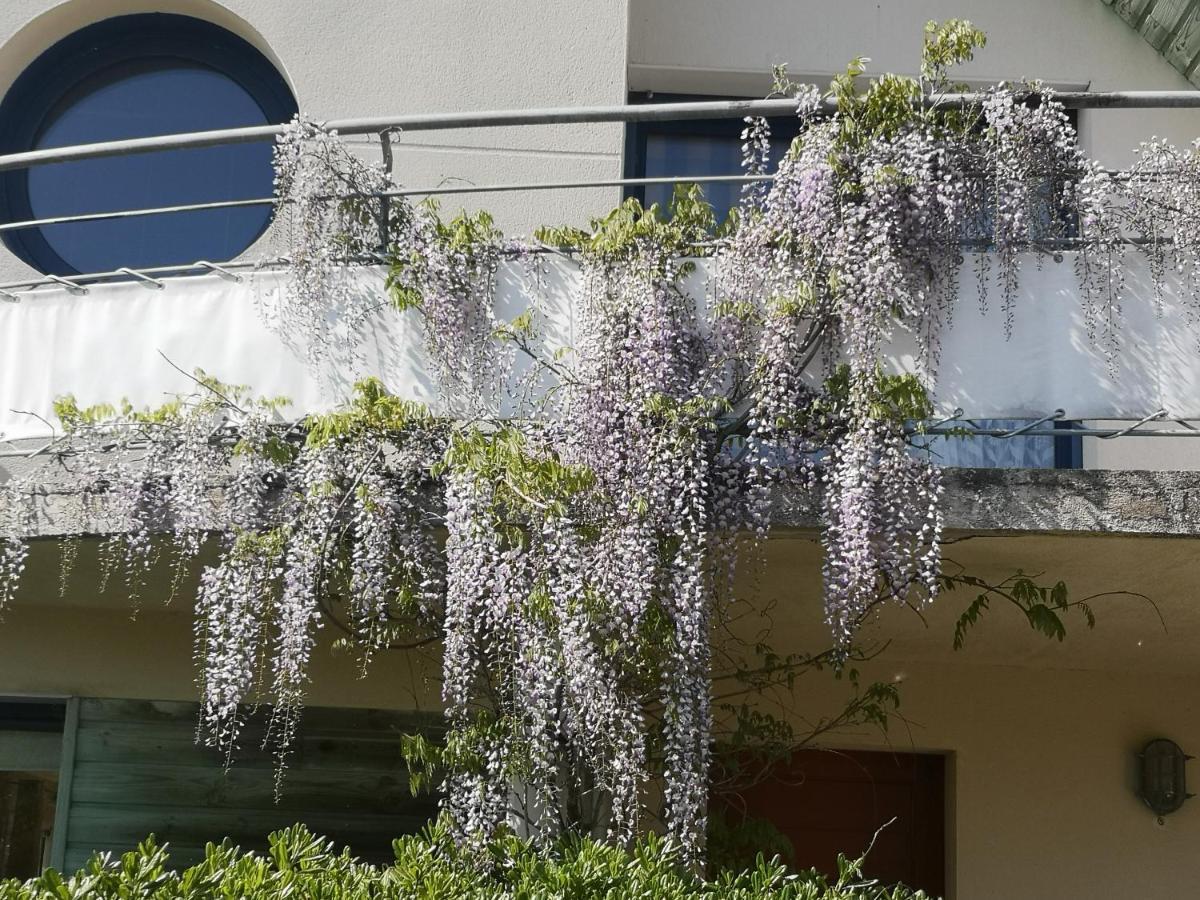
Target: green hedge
(300, 866)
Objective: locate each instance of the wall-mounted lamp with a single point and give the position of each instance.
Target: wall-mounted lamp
(1163, 776)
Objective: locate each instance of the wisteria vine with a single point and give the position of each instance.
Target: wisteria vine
(567, 547)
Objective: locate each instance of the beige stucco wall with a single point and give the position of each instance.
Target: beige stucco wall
(148, 655)
(1041, 736)
(1041, 760)
(1080, 44)
(1041, 764)
(90, 638)
(1041, 802)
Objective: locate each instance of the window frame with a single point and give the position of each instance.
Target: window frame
(637, 134)
(90, 52)
(46, 743)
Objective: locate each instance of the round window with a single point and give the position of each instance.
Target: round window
(129, 77)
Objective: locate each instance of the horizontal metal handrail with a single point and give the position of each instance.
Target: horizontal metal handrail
(418, 122)
(645, 112)
(1101, 433)
(958, 425)
(133, 213)
(404, 192)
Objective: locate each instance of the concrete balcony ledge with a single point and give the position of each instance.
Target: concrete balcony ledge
(1058, 501)
(987, 501)
(1093, 501)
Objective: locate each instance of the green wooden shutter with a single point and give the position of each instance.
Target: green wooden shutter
(137, 770)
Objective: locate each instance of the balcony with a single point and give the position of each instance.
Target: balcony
(137, 334)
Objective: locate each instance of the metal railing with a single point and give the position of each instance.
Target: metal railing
(956, 425)
(385, 126)
(405, 192)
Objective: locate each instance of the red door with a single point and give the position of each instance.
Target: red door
(826, 802)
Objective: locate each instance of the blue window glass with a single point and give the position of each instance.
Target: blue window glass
(669, 155)
(139, 76)
(691, 155)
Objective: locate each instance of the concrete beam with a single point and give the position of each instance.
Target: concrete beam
(1056, 501)
(1049, 501)
(1091, 501)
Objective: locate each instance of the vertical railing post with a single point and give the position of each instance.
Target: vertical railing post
(385, 202)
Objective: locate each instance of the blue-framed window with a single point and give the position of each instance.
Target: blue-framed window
(694, 148)
(700, 147)
(139, 76)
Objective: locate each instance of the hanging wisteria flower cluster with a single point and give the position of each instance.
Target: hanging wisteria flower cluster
(139, 473)
(357, 536)
(328, 216)
(568, 547)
